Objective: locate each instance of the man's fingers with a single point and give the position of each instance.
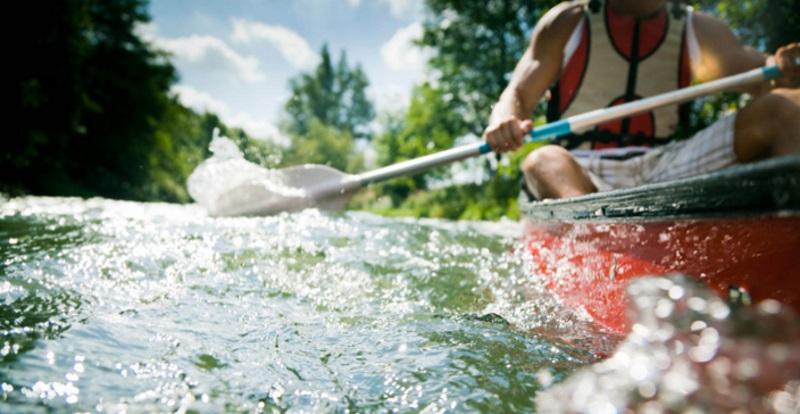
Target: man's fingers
(494, 141)
(508, 135)
(519, 134)
(788, 60)
(789, 57)
(526, 125)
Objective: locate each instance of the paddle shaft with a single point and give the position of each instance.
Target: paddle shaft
(574, 124)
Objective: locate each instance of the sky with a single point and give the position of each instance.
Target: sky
(235, 57)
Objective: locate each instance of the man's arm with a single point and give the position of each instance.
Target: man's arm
(535, 72)
(721, 54)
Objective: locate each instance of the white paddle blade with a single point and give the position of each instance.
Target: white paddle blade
(326, 187)
(257, 199)
(290, 189)
(228, 185)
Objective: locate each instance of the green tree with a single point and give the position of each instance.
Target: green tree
(424, 127)
(324, 144)
(95, 115)
(475, 47)
(763, 24)
(334, 95)
(91, 93)
(328, 109)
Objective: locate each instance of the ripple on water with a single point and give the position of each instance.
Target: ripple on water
(154, 307)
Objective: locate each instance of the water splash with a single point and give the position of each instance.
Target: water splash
(225, 182)
(689, 351)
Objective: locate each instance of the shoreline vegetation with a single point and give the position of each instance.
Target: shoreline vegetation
(96, 115)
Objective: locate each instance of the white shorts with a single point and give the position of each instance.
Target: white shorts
(708, 150)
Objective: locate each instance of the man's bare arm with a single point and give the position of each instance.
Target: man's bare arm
(535, 72)
(722, 54)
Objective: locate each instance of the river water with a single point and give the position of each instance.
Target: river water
(143, 307)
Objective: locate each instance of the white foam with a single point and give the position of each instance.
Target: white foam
(226, 177)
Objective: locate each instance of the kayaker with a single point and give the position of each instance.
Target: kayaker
(593, 54)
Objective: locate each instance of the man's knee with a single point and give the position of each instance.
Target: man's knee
(780, 105)
(770, 125)
(552, 172)
(548, 158)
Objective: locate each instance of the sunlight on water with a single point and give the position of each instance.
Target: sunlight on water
(141, 307)
(116, 305)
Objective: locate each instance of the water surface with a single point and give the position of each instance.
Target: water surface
(108, 306)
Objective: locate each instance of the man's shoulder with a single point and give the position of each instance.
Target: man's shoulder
(708, 24)
(562, 19)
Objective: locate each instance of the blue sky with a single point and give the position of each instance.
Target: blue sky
(236, 57)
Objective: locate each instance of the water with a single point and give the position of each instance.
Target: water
(114, 306)
(118, 306)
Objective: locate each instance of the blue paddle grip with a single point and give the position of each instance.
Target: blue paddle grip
(771, 72)
(550, 131)
(544, 132)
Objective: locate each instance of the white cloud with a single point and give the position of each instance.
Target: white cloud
(146, 31)
(255, 127)
(207, 52)
(291, 45)
(198, 100)
(400, 52)
(405, 8)
(401, 9)
(391, 98)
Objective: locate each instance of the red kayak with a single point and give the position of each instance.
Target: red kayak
(738, 230)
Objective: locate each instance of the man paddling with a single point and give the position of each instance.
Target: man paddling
(596, 54)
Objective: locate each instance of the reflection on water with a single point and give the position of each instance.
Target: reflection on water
(151, 307)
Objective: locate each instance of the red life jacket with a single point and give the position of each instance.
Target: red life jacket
(612, 59)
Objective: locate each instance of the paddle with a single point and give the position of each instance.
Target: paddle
(321, 186)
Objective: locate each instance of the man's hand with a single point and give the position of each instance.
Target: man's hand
(788, 60)
(508, 134)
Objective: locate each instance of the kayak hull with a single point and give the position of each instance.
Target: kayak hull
(744, 245)
(589, 264)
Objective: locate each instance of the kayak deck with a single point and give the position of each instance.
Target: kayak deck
(738, 230)
(766, 186)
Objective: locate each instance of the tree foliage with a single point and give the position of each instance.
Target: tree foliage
(426, 127)
(324, 144)
(763, 24)
(90, 96)
(327, 110)
(475, 47)
(94, 112)
(334, 95)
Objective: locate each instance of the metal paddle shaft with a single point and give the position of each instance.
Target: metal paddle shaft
(326, 187)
